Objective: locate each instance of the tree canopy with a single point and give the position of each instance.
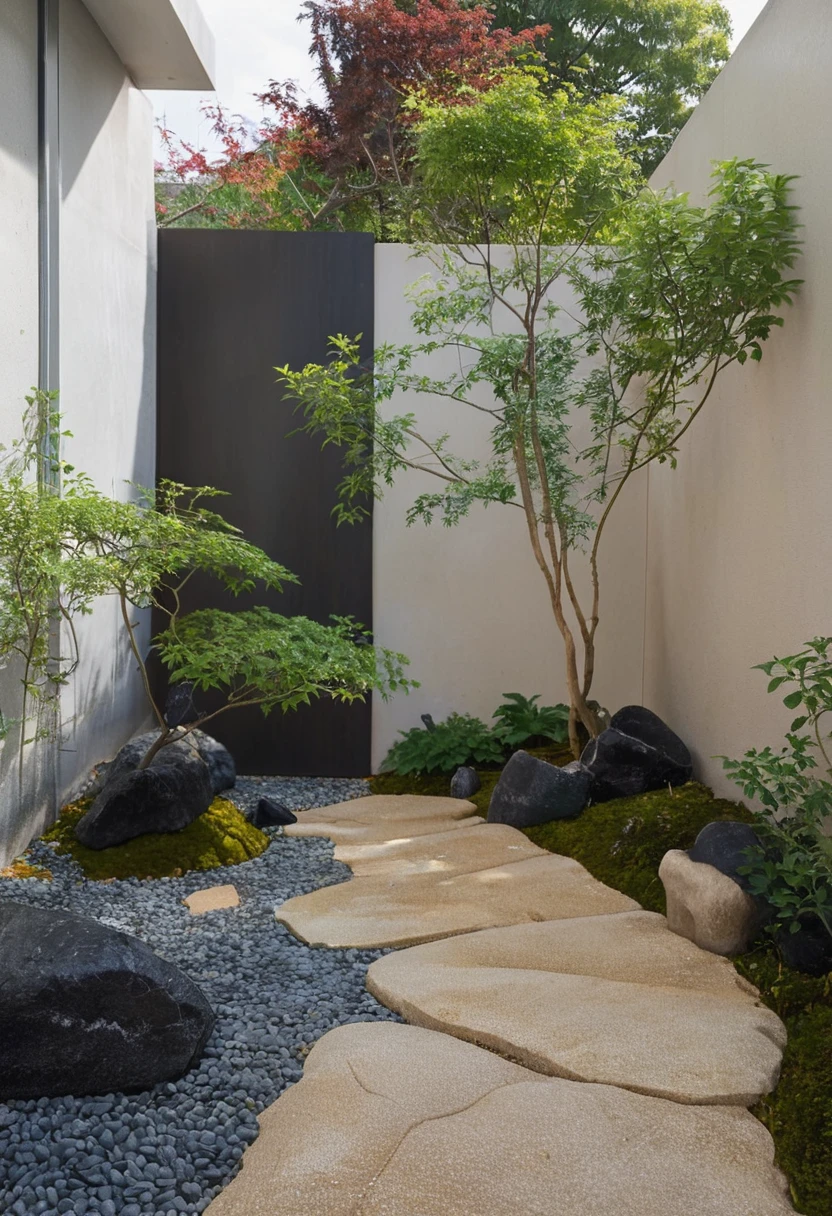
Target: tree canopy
(661, 56)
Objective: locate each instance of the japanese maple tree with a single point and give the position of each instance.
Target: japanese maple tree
(340, 162)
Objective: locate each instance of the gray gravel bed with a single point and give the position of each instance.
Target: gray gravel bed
(170, 1150)
(295, 793)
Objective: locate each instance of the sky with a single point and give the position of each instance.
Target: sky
(261, 40)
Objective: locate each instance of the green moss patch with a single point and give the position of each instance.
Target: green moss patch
(799, 1112)
(220, 837)
(622, 842)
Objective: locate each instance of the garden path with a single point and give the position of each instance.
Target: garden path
(629, 1098)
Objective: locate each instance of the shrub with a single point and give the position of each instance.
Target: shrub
(793, 869)
(521, 718)
(444, 746)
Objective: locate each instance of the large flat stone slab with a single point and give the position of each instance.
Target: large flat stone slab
(384, 910)
(392, 1120)
(614, 999)
(479, 847)
(385, 817)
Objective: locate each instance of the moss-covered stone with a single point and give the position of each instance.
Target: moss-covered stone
(622, 842)
(220, 837)
(21, 868)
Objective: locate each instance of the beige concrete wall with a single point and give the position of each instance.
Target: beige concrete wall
(468, 604)
(740, 539)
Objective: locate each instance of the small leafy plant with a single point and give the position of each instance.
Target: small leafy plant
(521, 719)
(61, 548)
(793, 869)
(442, 747)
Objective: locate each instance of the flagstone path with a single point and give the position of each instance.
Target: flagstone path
(630, 1054)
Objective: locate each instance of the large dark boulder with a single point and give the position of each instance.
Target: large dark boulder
(173, 791)
(725, 845)
(219, 760)
(636, 753)
(87, 1010)
(530, 792)
(465, 782)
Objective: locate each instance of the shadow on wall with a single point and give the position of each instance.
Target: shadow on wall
(21, 818)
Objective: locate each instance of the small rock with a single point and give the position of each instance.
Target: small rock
(706, 906)
(530, 792)
(85, 1009)
(635, 754)
(211, 899)
(725, 845)
(465, 782)
(269, 814)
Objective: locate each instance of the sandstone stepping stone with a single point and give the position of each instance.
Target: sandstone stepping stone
(614, 999)
(454, 852)
(392, 1120)
(382, 817)
(385, 910)
(210, 899)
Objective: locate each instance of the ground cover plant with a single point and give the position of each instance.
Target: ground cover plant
(63, 548)
(461, 739)
(523, 193)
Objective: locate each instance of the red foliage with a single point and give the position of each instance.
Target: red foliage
(371, 53)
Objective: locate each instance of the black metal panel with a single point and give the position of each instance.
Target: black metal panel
(232, 307)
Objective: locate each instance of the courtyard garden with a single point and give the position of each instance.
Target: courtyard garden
(533, 963)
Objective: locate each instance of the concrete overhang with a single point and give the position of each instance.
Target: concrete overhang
(163, 44)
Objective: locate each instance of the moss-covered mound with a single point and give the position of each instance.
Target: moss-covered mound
(220, 837)
(623, 842)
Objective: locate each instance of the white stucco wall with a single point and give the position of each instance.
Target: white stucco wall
(740, 542)
(468, 604)
(108, 349)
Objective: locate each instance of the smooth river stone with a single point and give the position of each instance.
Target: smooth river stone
(386, 910)
(392, 1120)
(618, 1000)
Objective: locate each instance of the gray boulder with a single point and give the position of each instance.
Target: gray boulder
(530, 792)
(636, 753)
(173, 791)
(87, 1010)
(465, 782)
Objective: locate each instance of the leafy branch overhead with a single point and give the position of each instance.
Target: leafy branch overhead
(586, 327)
(60, 553)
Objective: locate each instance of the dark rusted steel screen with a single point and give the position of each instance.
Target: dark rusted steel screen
(232, 306)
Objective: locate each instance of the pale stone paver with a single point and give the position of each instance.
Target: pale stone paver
(384, 817)
(393, 1120)
(388, 911)
(478, 847)
(210, 899)
(614, 999)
